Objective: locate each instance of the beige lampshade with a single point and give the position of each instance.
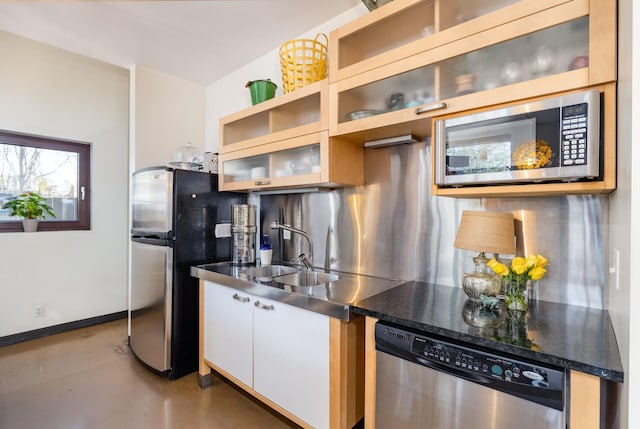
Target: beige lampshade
(490, 232)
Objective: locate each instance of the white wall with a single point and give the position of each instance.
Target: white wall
(75, 274)
(229, 95)
(625, 207)
(167, 113)
(632, 372)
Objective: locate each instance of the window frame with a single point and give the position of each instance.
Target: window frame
(83, 149)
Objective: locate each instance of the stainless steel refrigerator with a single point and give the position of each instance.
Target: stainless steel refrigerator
(174, 213)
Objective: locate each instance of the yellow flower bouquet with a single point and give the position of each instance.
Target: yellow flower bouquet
(515, 278)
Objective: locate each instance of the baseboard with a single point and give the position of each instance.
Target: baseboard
(57, 329)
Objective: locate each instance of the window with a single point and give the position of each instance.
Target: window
(58, 170)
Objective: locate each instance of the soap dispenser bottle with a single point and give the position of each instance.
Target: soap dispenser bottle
(265, 251)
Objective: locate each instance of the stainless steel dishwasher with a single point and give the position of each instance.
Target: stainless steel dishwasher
(424, 381)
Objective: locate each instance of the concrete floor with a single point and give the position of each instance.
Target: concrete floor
(88, 378)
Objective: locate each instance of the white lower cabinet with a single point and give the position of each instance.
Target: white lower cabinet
(280, 351)
(228, 336)
(291, 360)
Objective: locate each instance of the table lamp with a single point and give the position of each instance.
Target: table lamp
(483, 232)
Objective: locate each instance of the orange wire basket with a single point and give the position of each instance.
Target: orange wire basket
(303, 61)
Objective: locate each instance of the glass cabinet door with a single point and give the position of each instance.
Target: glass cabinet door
(552, 50)
(398, 30)
(290, 162)
(557, 49)
(412, 88)
(456, 12)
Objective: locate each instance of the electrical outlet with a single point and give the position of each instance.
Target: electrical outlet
(615, 268)
(38, 310)
(286, 235)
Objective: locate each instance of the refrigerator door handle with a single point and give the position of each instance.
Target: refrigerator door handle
(168, 306)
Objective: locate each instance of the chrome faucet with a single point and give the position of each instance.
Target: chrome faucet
(306, 260)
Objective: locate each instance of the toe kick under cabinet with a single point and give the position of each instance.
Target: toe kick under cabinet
(305, 365)
(284, 143)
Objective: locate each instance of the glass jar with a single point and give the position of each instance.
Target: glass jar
(515, 291)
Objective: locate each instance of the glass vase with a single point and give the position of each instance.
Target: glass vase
(515, 291)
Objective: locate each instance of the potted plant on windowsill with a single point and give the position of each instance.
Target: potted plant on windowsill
(30, 207)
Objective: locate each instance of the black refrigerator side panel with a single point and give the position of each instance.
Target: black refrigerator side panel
(198, 208)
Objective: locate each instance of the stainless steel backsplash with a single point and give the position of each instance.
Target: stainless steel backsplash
(393, 227)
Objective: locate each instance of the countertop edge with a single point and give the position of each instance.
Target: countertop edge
(604, 373)
(325, 301)
(330, 309)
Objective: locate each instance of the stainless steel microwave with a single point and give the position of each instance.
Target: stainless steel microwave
(554, 139)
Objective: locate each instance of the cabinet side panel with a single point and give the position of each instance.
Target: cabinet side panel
(603, 41)
(370, 374)
(203, 369)
(347, 162)
(346, 372)
(584, 400)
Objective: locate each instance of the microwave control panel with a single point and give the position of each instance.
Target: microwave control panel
(574, 134)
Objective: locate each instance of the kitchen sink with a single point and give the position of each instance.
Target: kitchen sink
(306, 278)
(265, 273)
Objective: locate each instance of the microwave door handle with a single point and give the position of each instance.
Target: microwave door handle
(430, 108)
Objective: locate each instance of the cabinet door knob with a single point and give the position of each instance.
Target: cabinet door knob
(264, 306)
(240, 298)
(430, 108)
(262, 182)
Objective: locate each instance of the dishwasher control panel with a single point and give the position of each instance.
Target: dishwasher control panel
(480, 362)
(462, 358)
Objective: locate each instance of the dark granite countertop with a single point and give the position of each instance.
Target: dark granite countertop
(567, 336)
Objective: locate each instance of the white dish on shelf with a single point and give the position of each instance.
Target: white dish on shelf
(258, 172)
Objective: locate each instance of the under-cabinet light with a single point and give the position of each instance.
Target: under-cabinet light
(392, 141)
(289, 191)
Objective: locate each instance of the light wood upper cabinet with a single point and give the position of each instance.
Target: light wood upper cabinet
(396, 67)
(308, 160)
(403, 28)
(297, 113)
(284, 143)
